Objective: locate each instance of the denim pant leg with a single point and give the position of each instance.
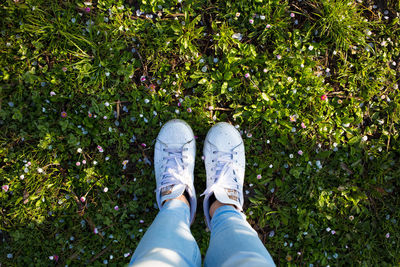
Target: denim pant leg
(168, 241)
(234, 242)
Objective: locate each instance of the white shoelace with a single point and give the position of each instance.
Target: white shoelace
(175, 170)
(225, 171)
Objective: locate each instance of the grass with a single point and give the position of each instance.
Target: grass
(85, 87)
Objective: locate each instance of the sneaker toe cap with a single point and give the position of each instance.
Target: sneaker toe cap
(224, 136)
(175, 132)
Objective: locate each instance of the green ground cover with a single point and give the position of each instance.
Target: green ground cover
(312, 86)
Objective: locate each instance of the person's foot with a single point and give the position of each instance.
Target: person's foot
(174, 158)
(225, 164)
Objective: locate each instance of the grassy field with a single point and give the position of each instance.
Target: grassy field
(312, 85)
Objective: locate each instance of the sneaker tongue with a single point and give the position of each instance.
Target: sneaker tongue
(166, 190)
(172, 191)
(228, 196)
(221, 166)
(232, 194)
(173, 163)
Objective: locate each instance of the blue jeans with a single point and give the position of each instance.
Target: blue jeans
(169, 242)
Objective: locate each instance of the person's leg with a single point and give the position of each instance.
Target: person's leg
(234, 242)
(168, 241)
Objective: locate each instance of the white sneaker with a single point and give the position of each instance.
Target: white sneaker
(225, 164)
(174, 158)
